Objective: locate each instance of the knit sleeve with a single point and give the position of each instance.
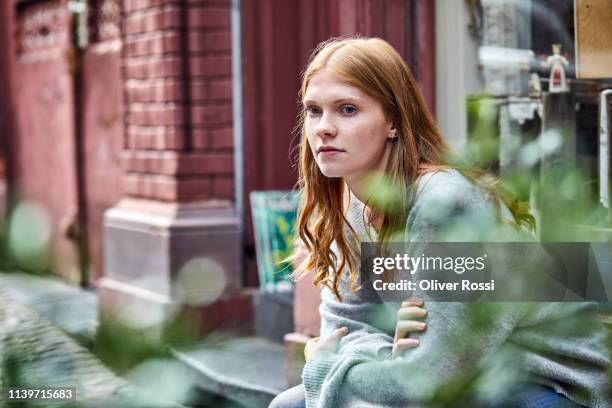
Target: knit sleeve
(450, 351)
(363, 343)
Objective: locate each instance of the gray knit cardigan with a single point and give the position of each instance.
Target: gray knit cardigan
(535, 339)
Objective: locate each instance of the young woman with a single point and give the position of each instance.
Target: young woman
(364, 116)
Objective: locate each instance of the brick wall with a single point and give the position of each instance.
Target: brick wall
(177, 74)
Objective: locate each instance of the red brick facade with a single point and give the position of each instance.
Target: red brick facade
(178, 100)
(144, 110)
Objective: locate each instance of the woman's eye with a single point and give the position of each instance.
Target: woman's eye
(348, 109)
(312, 110)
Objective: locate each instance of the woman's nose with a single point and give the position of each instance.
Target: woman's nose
(325, 127)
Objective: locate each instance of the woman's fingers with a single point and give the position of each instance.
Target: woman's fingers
(411, 312)
(312, 342)
(310, 347)
(335, 336)
(405, 327)
(402, 345)
(407, 318)
(413, 302)
(330, 343)
(340, 332)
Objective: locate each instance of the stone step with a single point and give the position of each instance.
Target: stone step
(247, 370)
(72, 309)
(230, 368)
(41, 353)
(273, 314)
(37, 353)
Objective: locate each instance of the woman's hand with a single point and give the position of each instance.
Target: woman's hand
(409, 311)
(328, 344)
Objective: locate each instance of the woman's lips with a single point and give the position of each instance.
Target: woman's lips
(329, 151)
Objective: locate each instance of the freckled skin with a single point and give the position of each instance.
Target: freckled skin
(344, 117)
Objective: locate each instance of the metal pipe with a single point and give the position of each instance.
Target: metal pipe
(604, 149)
(238, 124)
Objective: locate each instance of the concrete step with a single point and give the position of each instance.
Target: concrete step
(273, 314)
(35, 350)
(230, 371)
(248, 370)
(72, 309)
(36, 353)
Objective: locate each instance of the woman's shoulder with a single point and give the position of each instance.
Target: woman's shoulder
(446, 187)
(447, 199)
(450, 180)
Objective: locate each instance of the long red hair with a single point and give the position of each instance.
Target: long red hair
(375, 67)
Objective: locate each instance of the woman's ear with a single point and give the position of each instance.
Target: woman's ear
(392, 132)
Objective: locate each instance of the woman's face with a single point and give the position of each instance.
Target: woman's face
(347, 130)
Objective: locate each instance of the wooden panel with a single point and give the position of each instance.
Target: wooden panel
(593, 38)
(278, 37)
(7, 114)
(424, 44)
(103, 135)
(44, 153)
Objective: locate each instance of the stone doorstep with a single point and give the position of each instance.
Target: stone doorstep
(41, 349)
(247, 370)
(230, 362)
(230, 312)
(231, 368)
(55, 300)
(273, 314)
(72, 309)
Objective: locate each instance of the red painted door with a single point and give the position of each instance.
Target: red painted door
(278, 36)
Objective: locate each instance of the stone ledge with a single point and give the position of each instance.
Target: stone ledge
(43, 354)
(273, 314)
(248, 370)
(71, 309)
